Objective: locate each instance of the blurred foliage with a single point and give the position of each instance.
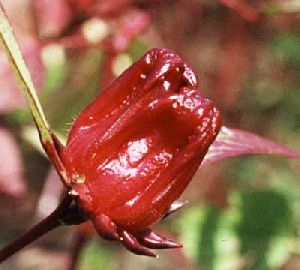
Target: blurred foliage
(95, 257)
(259, 227)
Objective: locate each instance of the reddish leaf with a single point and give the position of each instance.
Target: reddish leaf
(128, 27)
(52, 17)
(234, 142)
(247, 12)
(11, 94)
(237, 56)
(11, 169)
(21, 22)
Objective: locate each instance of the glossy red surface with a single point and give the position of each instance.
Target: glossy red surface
(135, 148)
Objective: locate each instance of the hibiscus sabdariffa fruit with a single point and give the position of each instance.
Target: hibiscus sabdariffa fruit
(134, 149)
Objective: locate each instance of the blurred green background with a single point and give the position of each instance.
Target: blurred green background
(244, 213)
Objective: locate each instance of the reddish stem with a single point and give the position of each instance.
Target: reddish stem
(49, 223)
(245, 11)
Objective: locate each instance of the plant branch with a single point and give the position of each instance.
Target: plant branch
(247, 12)
(23, 76)
(51, 222)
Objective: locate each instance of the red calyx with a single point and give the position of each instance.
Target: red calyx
(135, 148)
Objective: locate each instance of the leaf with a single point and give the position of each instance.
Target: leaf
(13, 53)
(247, 12)
(22, 73)
(11, 97)
(52, 17)
(235, 142)
(11, 168)
(236, 60)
